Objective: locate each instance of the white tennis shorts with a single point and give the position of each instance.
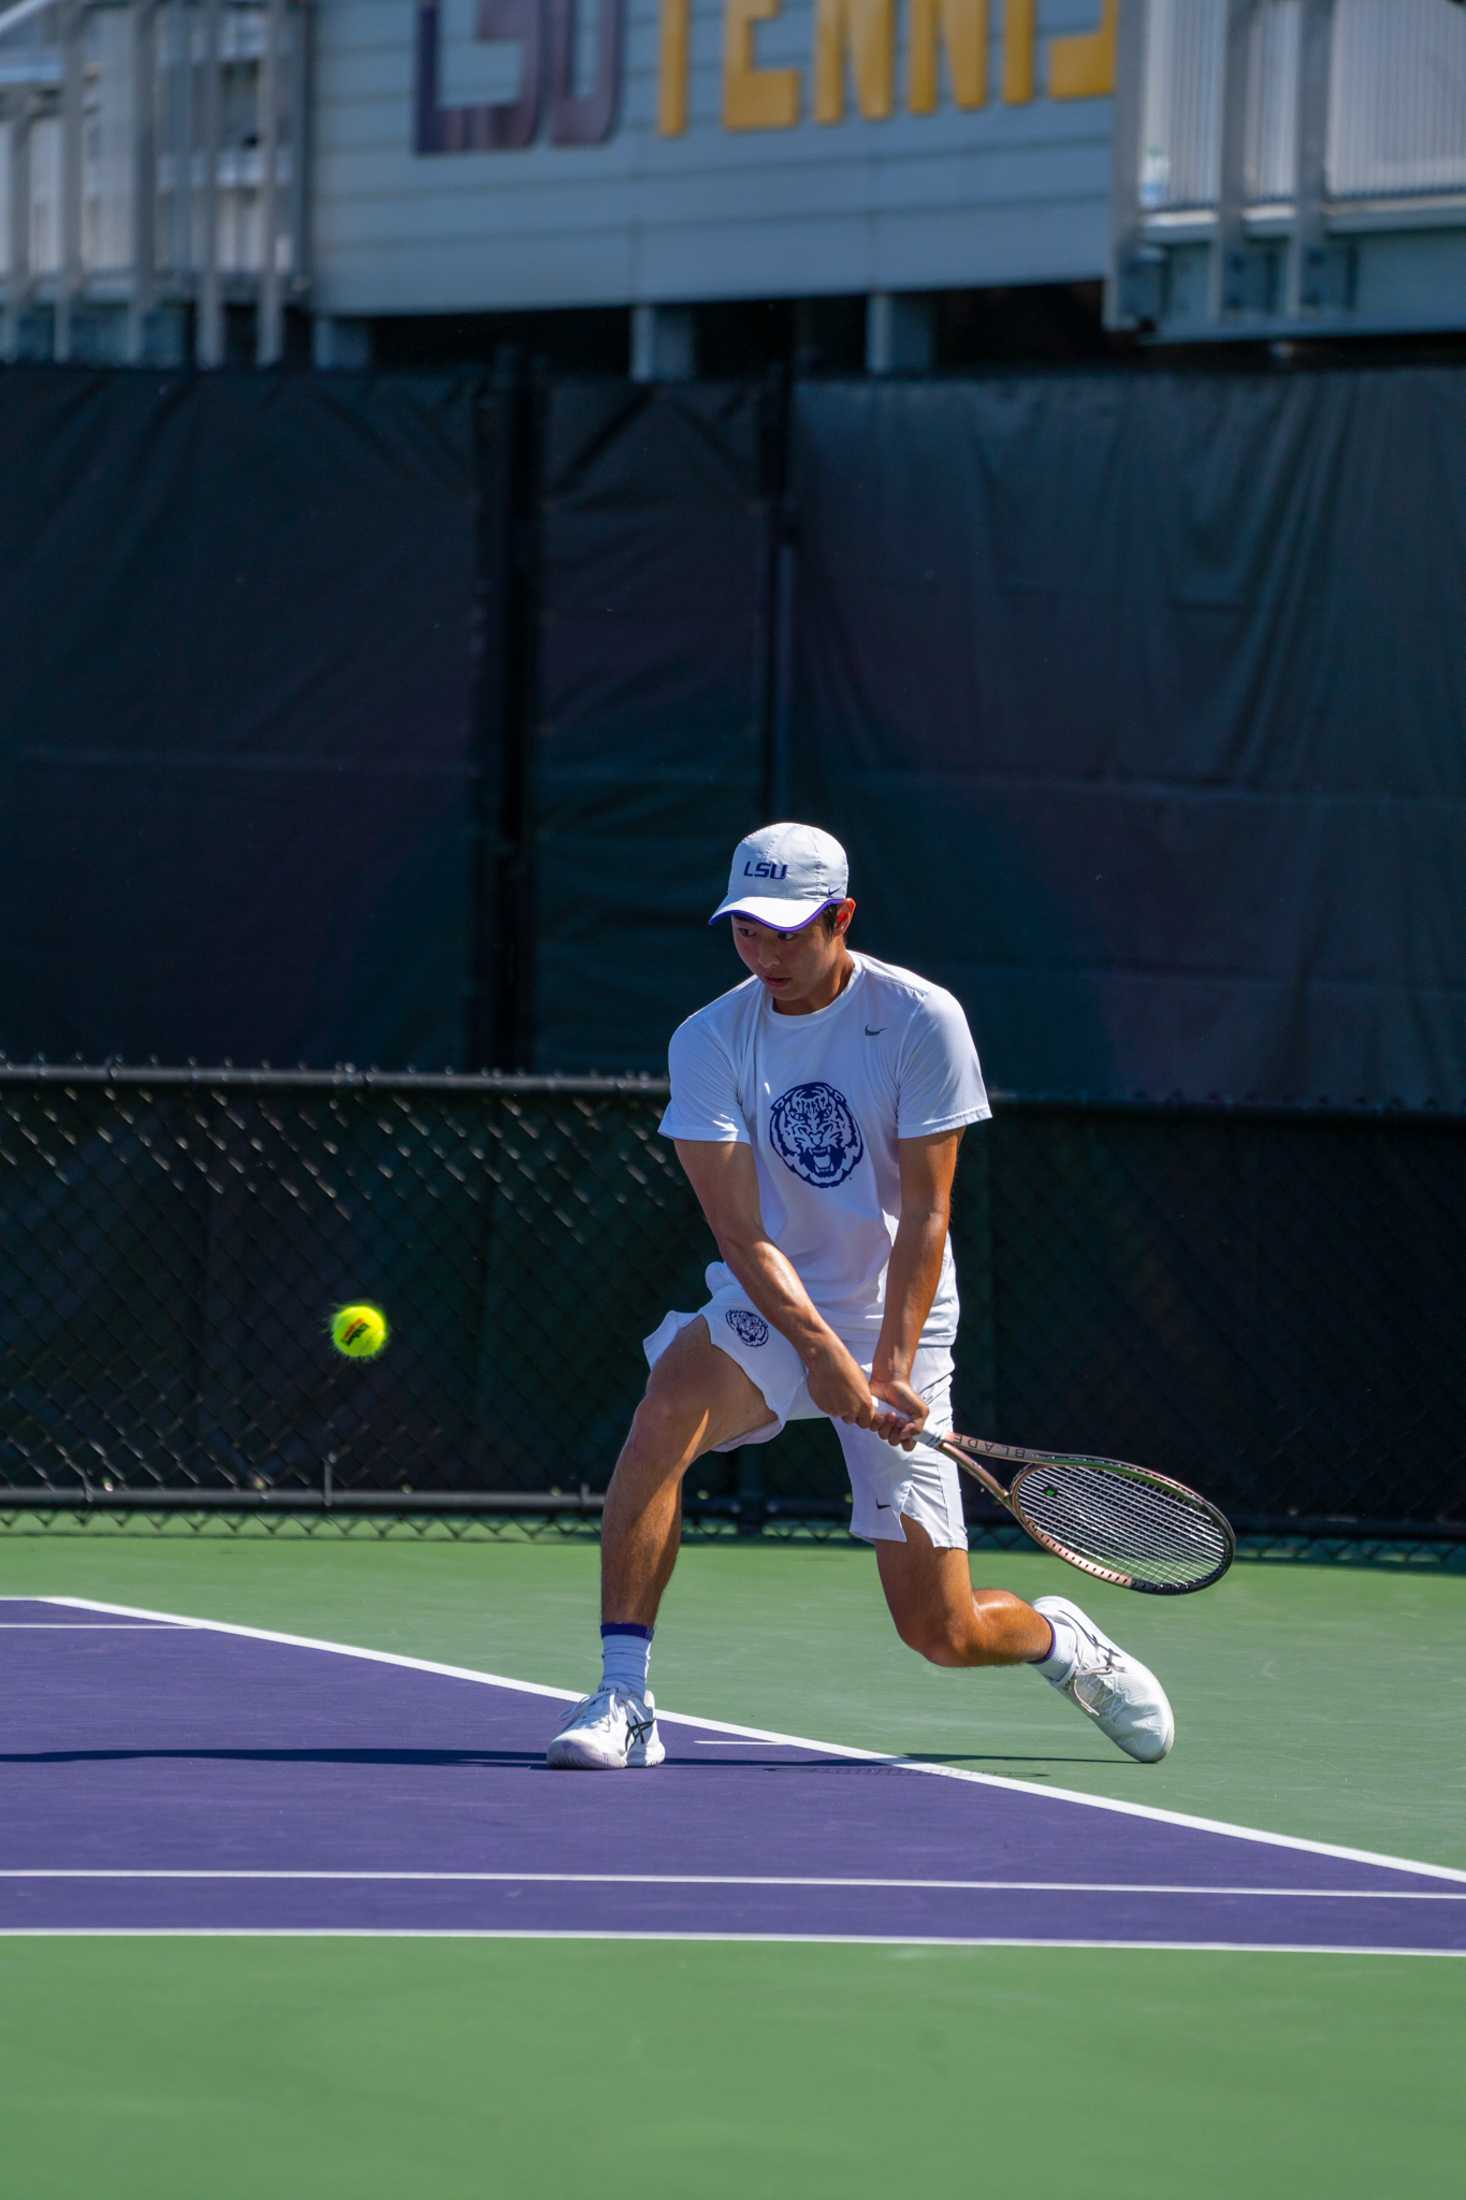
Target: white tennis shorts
(885, 1482)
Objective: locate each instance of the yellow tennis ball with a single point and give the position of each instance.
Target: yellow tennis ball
(359, 1331)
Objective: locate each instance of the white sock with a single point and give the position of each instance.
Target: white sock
(625, 1653)
(1060, 1662)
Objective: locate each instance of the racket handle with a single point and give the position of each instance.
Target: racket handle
(968, 1464)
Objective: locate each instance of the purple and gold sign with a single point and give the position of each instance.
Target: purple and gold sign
(862, 58)
(544, 31)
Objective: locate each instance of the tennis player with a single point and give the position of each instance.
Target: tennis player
(817, 1110)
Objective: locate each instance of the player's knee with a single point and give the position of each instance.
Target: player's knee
(947, 1638)
(933, 1637)
(945, 1646)
(661, 1433)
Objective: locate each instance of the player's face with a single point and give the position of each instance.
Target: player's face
(800, 971)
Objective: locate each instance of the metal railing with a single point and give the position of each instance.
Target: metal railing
(152, 159)
(1397, 100)
(1269, 132)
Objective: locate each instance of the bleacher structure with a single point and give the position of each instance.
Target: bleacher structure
(1280, 167)
(1290, 167)
(153, 176)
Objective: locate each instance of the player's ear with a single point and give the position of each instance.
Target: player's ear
(843, 915)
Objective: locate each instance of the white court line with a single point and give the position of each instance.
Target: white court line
(800, 1940)
(711, 1879)
(788, 1741)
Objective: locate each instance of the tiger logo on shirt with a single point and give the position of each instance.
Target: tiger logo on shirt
(815, 1134)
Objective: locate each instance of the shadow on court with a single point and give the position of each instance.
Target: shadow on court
(1015, 1757)
(524, 1760)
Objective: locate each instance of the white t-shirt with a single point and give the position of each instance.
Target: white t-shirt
(823, 1100)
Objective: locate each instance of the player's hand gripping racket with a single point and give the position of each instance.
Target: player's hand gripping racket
(1118, 1522)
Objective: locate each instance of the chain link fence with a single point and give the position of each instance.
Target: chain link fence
(1266, 1305)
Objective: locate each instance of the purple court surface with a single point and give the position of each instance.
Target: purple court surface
(167, 1775)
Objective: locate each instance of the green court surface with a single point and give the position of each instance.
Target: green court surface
(449, 2070)
(1321, 1701)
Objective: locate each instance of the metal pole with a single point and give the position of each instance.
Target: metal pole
(298, 110)
(269, 342)
(180, 139)
(209, 330)
(782, 537)
(144, 176)
(20, 108)
(1310, 184)
(72, 124)
(1129, 118)
(1229, 238)
(506, 961)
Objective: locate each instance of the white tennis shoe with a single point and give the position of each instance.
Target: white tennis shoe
(609, 1732)
(1121, 1695)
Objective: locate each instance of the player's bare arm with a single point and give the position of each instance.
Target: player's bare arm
(725, 1181)
(928, 1166)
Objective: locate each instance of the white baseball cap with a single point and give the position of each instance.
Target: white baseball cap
(784, 875)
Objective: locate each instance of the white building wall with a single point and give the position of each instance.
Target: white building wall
(1015, 190)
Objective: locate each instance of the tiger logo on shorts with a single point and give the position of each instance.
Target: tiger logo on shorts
(815, 1134)
(747, 1328)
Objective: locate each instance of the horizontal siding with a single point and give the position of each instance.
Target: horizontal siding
(1002, 194)
(1416, 280)
(700, 261)
(1025, 183)
(470, 275)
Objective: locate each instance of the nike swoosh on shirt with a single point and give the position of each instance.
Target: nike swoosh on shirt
(874, 1032)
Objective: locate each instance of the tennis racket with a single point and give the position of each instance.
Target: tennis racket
(1118, 1522)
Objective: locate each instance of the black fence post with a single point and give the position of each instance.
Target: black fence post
(775, 643)
(777, 623)
(500, 1021)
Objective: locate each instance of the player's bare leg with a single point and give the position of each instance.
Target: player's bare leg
(940, 1615)
(696, 1398)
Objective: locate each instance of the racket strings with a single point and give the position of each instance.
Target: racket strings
(1124, 1523)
